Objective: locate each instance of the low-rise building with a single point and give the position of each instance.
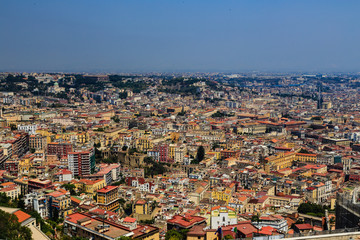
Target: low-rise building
(87, 226)
(222, 216)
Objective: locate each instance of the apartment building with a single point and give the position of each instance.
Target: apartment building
(107, 198)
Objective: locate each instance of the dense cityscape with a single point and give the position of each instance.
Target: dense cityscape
(182, 156)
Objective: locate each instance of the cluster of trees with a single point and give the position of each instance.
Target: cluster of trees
(155, 168)
(316, 118)
(284, 95)
(304, 151)
(219, 114)
(118, 183)
(116, 119)
(98, 154)
(130, 83)
(176, 235)
(126, 206)
(11, 228)
(152, 221)
(212, 100)
(48, 226)
(12, 84)
(180, 86)
(182, 113)
(200, 155)
(70, 187)
(92, 84)
(216, 145)
(111, 159)
(56, 105)
(6, 201)
(100, 129)
(133, 123)
(312, 209)
(123, 95)
(184, 91)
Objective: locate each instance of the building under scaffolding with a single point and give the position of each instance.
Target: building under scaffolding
(347, 210)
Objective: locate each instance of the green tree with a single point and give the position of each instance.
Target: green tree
(132, 124)
(182, 112)
(21, 202)
(215, 145)
(255, 218)
(11, 228)
(5, 201)
(152, 221)
(218, 114)
(312, 209)
(55, 215)
(228, 237)
(124, 148)
(200, 154)
(124, 238)
(316, 118)
(70, 187)
(116, 119)
(156, 168)
(13, 127)
(173, 235)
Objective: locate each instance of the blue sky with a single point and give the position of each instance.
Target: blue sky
(171, 35)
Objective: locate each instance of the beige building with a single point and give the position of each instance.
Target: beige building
(11, 190)
(37, 142)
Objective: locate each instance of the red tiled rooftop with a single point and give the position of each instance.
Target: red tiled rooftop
(107, 189)
(186, 221)
(75, 217)
(21, 216)
(55, 194)
(141, 202)
(304, 226)
(129, 219)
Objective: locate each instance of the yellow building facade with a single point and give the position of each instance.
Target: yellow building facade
(108, 198)
(281, 160)
(304, 157)
(222, 195)
(144, 144)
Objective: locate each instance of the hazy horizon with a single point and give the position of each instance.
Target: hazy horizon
(179, 36)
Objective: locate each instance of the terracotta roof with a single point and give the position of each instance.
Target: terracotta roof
(304, 226)
(55, 194)
(267, 230)
(141, 202)
(186, 222)
(197, 230)
(21, 216)
(63, 171)
(246, 228)
(107, 189)
(75, 200)
(129, 219)
(7, 189)
(7, 184)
